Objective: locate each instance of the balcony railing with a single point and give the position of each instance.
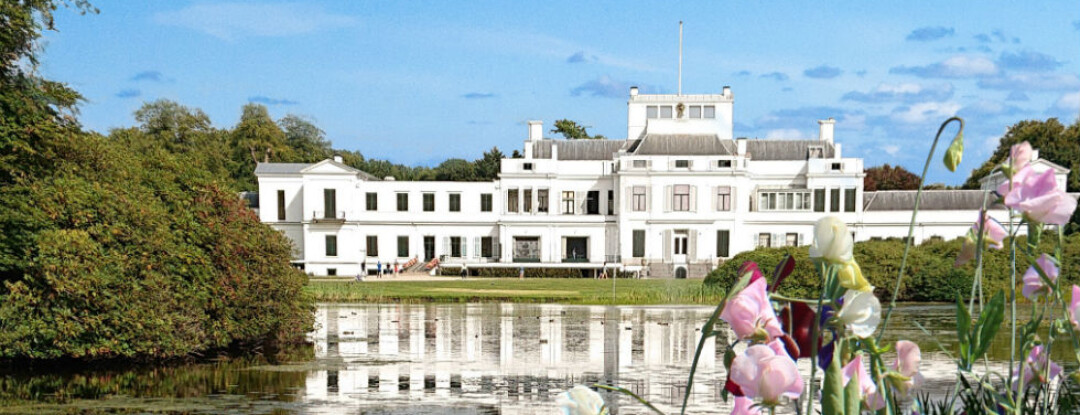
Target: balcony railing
(328, 217)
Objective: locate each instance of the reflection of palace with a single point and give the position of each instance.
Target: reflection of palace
(513, 358)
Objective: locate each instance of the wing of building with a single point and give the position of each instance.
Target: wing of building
(680, 195)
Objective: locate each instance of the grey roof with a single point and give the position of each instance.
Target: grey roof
(785, 149)
(280, 168)
(931, 200)
(684, 144)
(580, 149)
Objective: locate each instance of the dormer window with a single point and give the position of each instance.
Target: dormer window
(682, 164)
(837, 166)
(723, 164)
(527, 166)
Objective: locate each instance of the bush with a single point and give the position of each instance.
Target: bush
(929, 275)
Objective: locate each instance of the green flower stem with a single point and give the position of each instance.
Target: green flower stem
(826, 271)
(911, 227)
(980, 246)
(632, 394)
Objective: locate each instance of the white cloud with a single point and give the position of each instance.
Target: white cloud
(891, 149)
(784, 133)
(1031, 82)
(1068, 102)
(234, 20)
(955, 67)
(924, 111)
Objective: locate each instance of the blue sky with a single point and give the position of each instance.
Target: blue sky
(419, 82)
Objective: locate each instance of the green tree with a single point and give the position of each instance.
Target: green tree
(307, 142)
(571, 130)
(487, 167)
(258, 136)
(887, 177)
(175, 124)
(456, 170)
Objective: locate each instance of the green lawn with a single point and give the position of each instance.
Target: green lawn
(553, 290)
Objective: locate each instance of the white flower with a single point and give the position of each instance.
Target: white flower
(861, 312)
(832, 241)
(580, 400)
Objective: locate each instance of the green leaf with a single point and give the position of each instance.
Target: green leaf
(963, 332)
(852, 397)
(832, 393)
(987, 326)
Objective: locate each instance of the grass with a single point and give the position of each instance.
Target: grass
(540, 290)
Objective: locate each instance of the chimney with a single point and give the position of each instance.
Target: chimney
(826, 129)
(633, 91)
(536, 130)
(727, 91)
(554, 151)
(337, 158)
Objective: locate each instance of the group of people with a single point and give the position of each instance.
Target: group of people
(380, 270)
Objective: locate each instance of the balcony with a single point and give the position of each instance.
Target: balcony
(320, 216)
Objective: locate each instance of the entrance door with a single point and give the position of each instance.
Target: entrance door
(682, 244)
(680, 273)
(429, 248)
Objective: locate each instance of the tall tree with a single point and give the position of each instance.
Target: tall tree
(571, 130)
(307, 142)
(887, 177)
(487, 167)
(175, 124)
(258, 135)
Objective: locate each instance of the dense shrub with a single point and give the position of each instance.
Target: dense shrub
(929, 276)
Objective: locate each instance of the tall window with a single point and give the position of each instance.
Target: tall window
(372, 200)
(791, 239)
(568, 203)
(723, 198)
(764, 239)
(542, 200)
(429, 202)
(834, 200)
(403, 202)
(455, 246)
(372, 244)
(819, 200)
(512, 200)
(329, 203)
(639, 201)
(403, 246)
(680, 200)
(485, 202)
(849, 200)
(455, 202)
(280, 205)
(331, 245)
(487, 247)
(723, 243)
(639, 243)
(526, 196)
(611, 202)
(592, 202)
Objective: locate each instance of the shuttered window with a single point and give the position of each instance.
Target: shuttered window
(403, 202)
(681, 198)
(372, 245)
(403, 246)
(723, 198)
(455, 202)
(723, 243)
(849, 200)
(639, 198)
(429, 202)
(834, 200)
(639, 243)
(485, 202)
(819, 200)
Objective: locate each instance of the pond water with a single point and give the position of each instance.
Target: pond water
(450, 358)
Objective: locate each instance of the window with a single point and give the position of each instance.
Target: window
(592, 202)
(834, 200)
(639, 199)
(815, 152)
(710, 111)
(542, 200)
(639, 243)
(526, 249)
(576, 249)
(680, 200)
(791, 239)
(429, 202)
(695, 111)
(527, 199)
(723, 164)
(512, 200)
(526, 166)
(485, 202)
(819, 200)
(280, 205)
(764, 239)
(681, 243)
(372, 245)
(784, 200)
(455, 246)
(403, 202)
(723, 243)
(331, 245)
(487, 247)
(640, 164)
(723, 198)
(849, 200)
(372, 201)
(568, 203)
(329, 203)
(652, 111)
(330, 272)
(837, 166)
(665, 111)
(682, 164)
(611, 202)
(455, 202)
(403, 246)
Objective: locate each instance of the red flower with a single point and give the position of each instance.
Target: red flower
(797, 320)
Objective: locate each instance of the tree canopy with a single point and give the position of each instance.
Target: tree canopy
(886, 177)
(571, 130)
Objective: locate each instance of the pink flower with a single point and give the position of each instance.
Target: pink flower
(751, 314)
(1020, 155)
(908, 357)
(854, 370)
(1038, 196)
(745, 406)
(1035, 369)
(1074, 308)
(993, 236)
(767, 372)
(1033, 282)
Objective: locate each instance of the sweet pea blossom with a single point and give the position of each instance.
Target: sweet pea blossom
(766, 371)
(908, 357)
(854, 371)
(1038, 196)
(1033, 282)
(750, 313)
(861, 312)
(745, 406)
(1019, 156)
(1074, 308)
(993, 236)
(797, 320)
(581, 400)
(850, 276)
(832, 241)
(1035, 369)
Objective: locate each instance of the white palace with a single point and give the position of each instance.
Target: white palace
(680, 195)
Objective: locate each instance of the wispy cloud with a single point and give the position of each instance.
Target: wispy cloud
(230, 21)
(924, 111)
(607, 87)
(151, 76)
(926, 34)
(743, 72)
(581, 57)
(784, 133)
(478, 95)
(905, 92)
(996, 35)
(890, 149)
(1068, 102)
(271, 101)
(1031, 82)
(954, 67)
(802, 117)
(1028, 61)
(776, 76)
(823, 72)
(988, 108)
(129, 93)
(1018, 96)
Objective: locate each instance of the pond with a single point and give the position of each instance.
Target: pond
(450, 358)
